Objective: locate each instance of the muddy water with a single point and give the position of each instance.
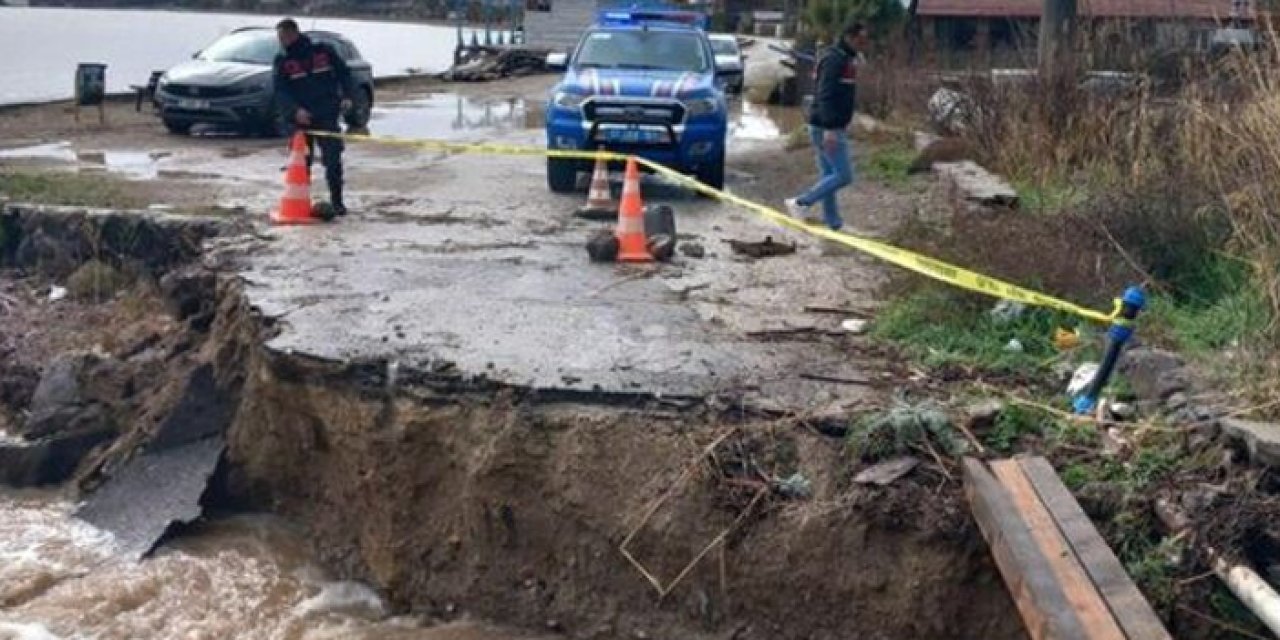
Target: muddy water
(240, 577)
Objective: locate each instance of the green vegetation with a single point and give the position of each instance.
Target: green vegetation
(941, 327)
(889, 164)
(1048, 197)
(66, 188)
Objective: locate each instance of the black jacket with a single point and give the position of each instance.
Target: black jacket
(313, 76)
(836, 92)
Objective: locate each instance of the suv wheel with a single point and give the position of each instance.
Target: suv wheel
(177, 128)
(361, 109)
(712, 174)
(562, 175)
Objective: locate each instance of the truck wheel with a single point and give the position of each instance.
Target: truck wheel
(361, 109)
(177, 128)
(562, 175)
(712, 175)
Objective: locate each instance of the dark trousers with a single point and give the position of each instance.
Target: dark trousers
(330, 155)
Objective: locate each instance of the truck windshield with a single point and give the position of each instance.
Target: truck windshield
(659, 50)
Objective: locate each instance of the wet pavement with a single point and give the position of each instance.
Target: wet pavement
(469, 264)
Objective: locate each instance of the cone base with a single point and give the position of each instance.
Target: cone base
(280, 218)
(597, 213)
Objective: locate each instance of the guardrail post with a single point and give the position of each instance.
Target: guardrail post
(1131, 304)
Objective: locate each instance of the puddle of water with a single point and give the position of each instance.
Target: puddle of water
(764, 122)
(451, 116)
(138, 165)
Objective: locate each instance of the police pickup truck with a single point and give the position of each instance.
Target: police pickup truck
(641, 82)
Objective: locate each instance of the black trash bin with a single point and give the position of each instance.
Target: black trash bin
(91, 84)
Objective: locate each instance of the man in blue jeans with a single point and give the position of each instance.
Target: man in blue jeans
(829, 116)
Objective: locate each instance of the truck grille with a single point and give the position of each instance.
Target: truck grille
(663, 113)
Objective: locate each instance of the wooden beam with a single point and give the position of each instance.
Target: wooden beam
(1127, 604)
(1076, 585)
(1040, 600)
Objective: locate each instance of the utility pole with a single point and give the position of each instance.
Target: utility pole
(1057, 36)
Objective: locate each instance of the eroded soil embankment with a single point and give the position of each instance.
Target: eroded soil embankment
(492, 503)
(459, 498)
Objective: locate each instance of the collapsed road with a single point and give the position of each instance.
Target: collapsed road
(463, 413)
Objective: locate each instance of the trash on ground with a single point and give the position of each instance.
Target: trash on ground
(887, 472)
(767, 248)
(1066, 339)
(1014, 346)
(1007, 311)
(1081, 378)
(856, 326)
(795, 486)
(603, 246)
(57, 293)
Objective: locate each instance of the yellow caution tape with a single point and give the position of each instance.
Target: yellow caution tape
(923, 265)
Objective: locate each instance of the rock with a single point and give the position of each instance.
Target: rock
(603, 247)
(941, 150)
(1121, 410)
(693, 250)
(887, 472)
(1014, 346)
(1154, 374)
(59, 397)
(1260, 439)
(1176, 401)
(950, 110)
(983, 414)
(96, 281)
(977, 184)
(765, 249)
(1171, 515)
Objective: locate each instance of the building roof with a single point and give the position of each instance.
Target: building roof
(1197, 9)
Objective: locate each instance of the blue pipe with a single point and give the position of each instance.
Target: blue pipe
(1131, 304)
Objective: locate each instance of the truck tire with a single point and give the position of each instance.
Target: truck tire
(562, 175)
(361, 109)
(712, 174)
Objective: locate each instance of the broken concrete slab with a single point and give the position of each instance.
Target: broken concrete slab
(154, 491)
(1260, 439)
(51, 459)
(887, 472)
(203, 410)
(977, 184)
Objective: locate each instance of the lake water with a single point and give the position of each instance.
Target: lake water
(40, 47)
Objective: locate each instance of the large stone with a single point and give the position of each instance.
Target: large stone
(60, 402)
(1154, 374)
(977, 184)
(1260, 439)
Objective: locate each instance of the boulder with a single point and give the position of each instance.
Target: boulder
(1154, 374)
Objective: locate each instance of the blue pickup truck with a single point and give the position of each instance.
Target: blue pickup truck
(642, 82)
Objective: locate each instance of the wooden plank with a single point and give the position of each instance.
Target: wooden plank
(1031, 581)
(1076, 585)
(1130, 609)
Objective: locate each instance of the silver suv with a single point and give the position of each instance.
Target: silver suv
(230, 82)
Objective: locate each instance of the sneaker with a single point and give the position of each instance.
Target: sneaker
(801, 212)
(340, 209)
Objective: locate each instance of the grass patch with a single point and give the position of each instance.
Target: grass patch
(1048, 197)
(942, 327)
(889, 164)
(66, 188)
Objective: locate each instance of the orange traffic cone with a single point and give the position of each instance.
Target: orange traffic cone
(631, 241)
(600, 204)
(295, 204)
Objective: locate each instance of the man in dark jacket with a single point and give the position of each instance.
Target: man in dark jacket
(831, 113)
(313, 88)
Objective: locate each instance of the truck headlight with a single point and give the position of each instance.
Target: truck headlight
(566, 100)
(701, 107)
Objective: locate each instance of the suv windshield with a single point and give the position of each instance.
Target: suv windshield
(249, 47)
(724, 46)
(663, 50)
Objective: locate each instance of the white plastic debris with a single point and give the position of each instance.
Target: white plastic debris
(1014, 346)
(855, 326)
(1080, 380)
(57, 293)
(1007, 311)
